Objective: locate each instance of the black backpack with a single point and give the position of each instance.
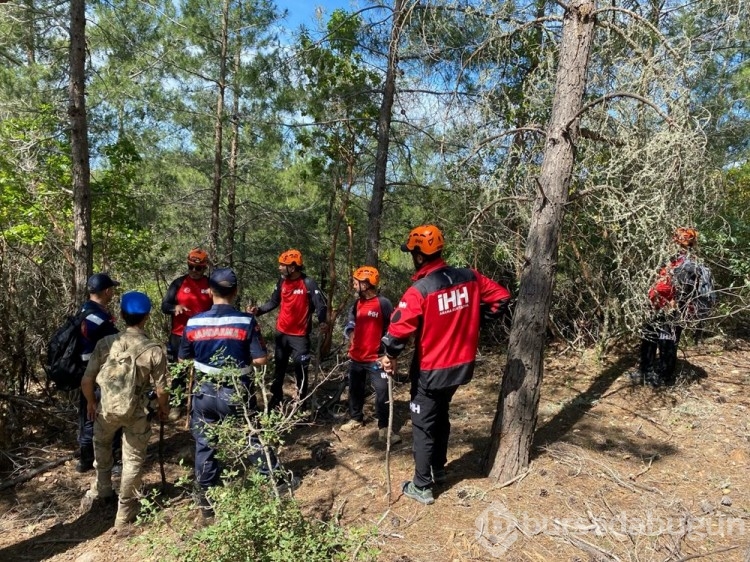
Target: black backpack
(694, 287)
(64, 365)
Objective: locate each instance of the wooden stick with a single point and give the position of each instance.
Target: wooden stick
(161, 458)
(388, 439)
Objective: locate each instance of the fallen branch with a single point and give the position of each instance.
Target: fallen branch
(591, 549)
(29, 474)
(513, 480)
(694, 556)
(645, 470)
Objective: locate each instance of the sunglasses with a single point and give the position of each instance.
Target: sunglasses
(197, 267)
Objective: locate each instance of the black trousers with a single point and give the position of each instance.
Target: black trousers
(659, 343)
(431, 429)
(212, 404)
(358, 375)
(296, 348)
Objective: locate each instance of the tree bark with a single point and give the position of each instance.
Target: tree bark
(79, 147)
(375, 212)
(516, 415)
(233, 157)
(218, 138)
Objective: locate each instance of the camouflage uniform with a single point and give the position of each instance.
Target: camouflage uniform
(151, 367)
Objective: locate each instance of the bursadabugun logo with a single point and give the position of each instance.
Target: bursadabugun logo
(496, 529)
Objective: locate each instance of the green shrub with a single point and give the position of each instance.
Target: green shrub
(252, 524)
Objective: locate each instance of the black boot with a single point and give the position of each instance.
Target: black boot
(203, 503)
(86, 462)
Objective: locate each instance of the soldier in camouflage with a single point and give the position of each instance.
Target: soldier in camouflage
(150, 367)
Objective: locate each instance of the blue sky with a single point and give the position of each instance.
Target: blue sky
(303, 11)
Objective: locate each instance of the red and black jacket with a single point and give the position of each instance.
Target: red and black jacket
(367, 323)
(190, 293)
(298, 299)
(442, 310)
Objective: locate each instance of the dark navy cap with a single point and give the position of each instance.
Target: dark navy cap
(223, 277)
(98, 282)
(134, 302)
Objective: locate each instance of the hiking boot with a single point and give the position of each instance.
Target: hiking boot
(124, 530)
(653, 379)
(439, 476)
(352, 425)
(383, 436)
(127, 512)
(288, 485)
(422, 495)
(636, 377)
(86, 462)
(203, 504)
(91, 500)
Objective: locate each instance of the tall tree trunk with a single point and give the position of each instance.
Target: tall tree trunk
(233, 155)
(213, 234)
(79, 147)
(375, 212)
(30, 36)
(516, 415)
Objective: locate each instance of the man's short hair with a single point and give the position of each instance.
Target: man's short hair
(132, 319)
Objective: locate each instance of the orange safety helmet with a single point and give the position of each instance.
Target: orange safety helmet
(427, 239)
(685, 237)
(291, 257)
(196, 256)
(369, 274)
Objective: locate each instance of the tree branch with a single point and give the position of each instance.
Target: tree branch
(614, 95)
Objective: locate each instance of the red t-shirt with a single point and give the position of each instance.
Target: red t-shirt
(294, 313)
(297, 298)
(195, 296)
(371, 317)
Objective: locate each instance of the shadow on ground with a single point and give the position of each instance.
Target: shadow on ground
(62, 537)
(572, 416)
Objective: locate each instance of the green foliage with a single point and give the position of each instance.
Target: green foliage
(121, 211)
(33, 170)
(252, 521)
(254, 526)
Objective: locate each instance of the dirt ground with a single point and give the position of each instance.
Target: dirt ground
(619, 472)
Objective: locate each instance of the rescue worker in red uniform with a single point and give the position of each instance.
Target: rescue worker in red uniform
(661, 334)
(298, 296)
(186, 296)
(442, 310)
(366, 324)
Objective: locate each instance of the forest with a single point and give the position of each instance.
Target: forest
(557, 144)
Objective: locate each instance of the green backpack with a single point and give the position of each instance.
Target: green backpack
(118, 379)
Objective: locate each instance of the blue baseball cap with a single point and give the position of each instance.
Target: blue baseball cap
(98, 282)
(134, 302)
(223, 277)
